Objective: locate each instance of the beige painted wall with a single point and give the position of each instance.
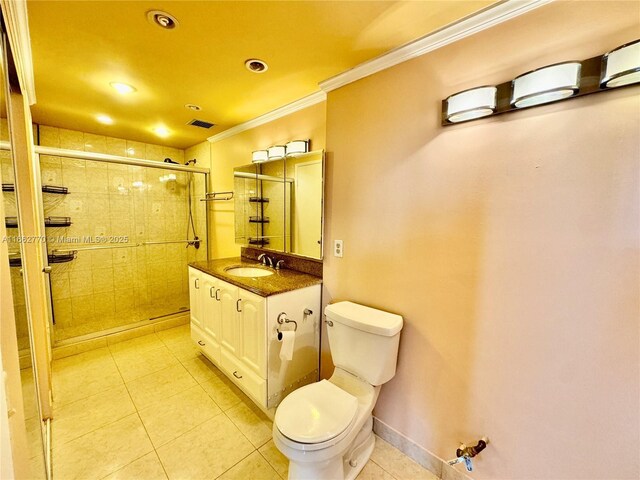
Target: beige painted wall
(510, 245)
(236, 151)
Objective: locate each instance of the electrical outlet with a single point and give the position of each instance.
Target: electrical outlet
(338, 248)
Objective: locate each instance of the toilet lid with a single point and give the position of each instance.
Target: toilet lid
(316, 413)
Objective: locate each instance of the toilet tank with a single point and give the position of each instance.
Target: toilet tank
(363, 340)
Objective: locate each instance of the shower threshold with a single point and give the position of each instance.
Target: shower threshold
(125, 332)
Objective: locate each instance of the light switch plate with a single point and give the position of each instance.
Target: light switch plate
(338, 248)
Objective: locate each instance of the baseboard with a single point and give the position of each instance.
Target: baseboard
(418, 454)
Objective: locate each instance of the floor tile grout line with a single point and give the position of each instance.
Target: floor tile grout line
(382, 468)
(271, 464)
(241, 460)
(137, 412)
(183, 433)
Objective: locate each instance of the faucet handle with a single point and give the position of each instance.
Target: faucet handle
(468, 463)
(279, 264)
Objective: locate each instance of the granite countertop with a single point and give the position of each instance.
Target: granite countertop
(283, 280)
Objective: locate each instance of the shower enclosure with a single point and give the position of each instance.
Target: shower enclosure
(119, 235)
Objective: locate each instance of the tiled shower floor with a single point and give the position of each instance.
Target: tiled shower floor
(154, 408)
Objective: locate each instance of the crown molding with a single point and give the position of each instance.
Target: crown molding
(476, 22)
(283, 111)
(482, 20)
(17, 23)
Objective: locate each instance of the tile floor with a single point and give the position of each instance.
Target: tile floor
(154, 408)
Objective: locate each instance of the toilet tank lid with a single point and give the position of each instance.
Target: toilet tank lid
(364, 318)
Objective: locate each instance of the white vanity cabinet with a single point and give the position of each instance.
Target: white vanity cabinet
(238, 331)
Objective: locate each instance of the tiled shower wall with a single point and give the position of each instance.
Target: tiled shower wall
(113, 287)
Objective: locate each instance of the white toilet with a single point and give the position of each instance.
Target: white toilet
(326, 429)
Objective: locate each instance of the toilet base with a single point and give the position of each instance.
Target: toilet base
(345, 467)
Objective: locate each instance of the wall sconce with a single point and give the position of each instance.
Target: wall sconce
(620, 67)
(277, 151)
(470, 104)
(259, 156)
(297, 146)
(547, 84)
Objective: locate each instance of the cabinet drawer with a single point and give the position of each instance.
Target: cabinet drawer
(206, 344)
(197, 335)
(249, 382)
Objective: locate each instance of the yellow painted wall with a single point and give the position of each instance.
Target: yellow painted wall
(510, 246)
(236, 151)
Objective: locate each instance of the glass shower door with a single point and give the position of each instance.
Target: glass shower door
(123, 253)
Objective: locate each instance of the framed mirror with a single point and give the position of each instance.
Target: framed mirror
(279, 204)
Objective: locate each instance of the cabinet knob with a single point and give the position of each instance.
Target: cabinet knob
(235, 374)
(201, 343)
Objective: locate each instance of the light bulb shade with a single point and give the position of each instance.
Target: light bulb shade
(621, 66)
(470, 104)
(297, 146)
(259, 156)
(547, 84)
(277, 151)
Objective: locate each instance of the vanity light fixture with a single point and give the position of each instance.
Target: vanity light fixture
(170, 177)
(621, 66)
(297, 146)
(561, 81)
(259, 156)
(277, 151)
(471, 104)
(547, 84)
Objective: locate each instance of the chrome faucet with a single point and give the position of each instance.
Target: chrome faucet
(265, 259)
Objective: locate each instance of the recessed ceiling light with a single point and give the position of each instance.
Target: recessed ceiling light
(122, 88)
(161, 131)
(256, 66)
(194, 107)
(162, 19)
(106, 119)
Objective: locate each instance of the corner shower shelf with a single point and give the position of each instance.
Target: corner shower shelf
(10, 187)
(258, 219)
(12, 222)
(258, 200)
(258, 241)
(16, 261)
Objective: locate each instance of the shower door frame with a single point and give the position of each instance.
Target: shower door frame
(115, 159)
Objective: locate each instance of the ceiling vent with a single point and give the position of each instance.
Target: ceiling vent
(201, 123)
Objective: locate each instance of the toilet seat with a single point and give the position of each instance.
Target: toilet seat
(316, 414)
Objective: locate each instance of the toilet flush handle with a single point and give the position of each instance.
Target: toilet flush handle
(329, 323)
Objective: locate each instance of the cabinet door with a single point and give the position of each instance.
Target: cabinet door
(195, 298)
(253, 324)
(210, 294)
(229, 310)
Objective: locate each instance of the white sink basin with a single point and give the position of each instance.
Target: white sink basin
(249, 272)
